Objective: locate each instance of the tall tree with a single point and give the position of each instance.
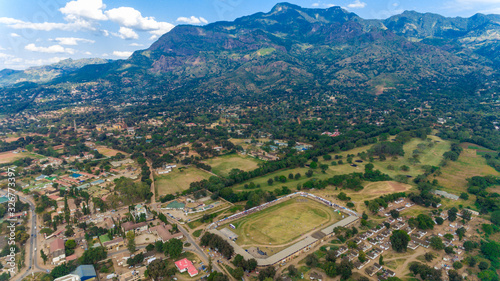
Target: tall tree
(399, 240)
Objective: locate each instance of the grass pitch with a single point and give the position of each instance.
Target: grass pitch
(222, 165)
(283, 223)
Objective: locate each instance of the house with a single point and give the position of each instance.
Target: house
(163, 232)
(139, 210)
(412, 245)
(72, 206)
(186, 265)
(341, 251)
(56, 250)
(138, 227)
(421, 242)
(315, 276)
(115, 243)
(373, 269)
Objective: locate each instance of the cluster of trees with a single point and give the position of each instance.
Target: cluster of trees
(242, 265)
(132, 192)
(216, 242)
(454, 152)
(158, 270)
(422, 221)
(425, 197)
(172, 248)
(426, 272)
(383, 201)
(330, 266)
(388, 148)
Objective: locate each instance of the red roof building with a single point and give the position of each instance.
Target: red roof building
(185, 264)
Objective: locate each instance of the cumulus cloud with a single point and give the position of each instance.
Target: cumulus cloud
(86, 9)
(127, 33)
(132, 18)
(121, 54)
(72, 41)
(192, 20)
(357, 5)
(136, 45)
(15, 35)
(54, 49)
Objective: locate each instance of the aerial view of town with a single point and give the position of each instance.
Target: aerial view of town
(249, 140)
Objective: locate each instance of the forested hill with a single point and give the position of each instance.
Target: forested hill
(298, 50)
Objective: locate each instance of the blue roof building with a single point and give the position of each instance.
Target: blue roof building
(85, 272)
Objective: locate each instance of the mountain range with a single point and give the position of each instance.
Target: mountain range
(308, 50)
(42, 74)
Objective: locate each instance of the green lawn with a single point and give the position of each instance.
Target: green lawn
(222, 165)
(178, 180)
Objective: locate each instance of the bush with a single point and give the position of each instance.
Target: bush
(457, 265)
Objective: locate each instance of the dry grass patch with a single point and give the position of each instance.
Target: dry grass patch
(106, 151)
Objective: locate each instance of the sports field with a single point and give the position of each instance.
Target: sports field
(106, 151)
(178, 180)
(283, 223)
(222, 165)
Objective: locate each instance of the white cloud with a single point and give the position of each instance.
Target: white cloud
(86, 9)
(127, 33)
(322, 5)
(36, 62)
(12, 62)
(54, 49)
(192, 20)
(356, 5)
(132, 18)
(15, 35)
(46, 26)
(5, 56)
(88, 53)
(122, 54)
(72, 41)
(136, 45)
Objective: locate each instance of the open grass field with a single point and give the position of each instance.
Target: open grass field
(469, 164)
(429, 156)
(10, 156)
(283, 223)
(222, 165)
(178, 180)
(106, 151)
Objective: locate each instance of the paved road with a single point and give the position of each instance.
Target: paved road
(197, 248)
(33, 243)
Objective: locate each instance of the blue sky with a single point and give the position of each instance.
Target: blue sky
(39, 32)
